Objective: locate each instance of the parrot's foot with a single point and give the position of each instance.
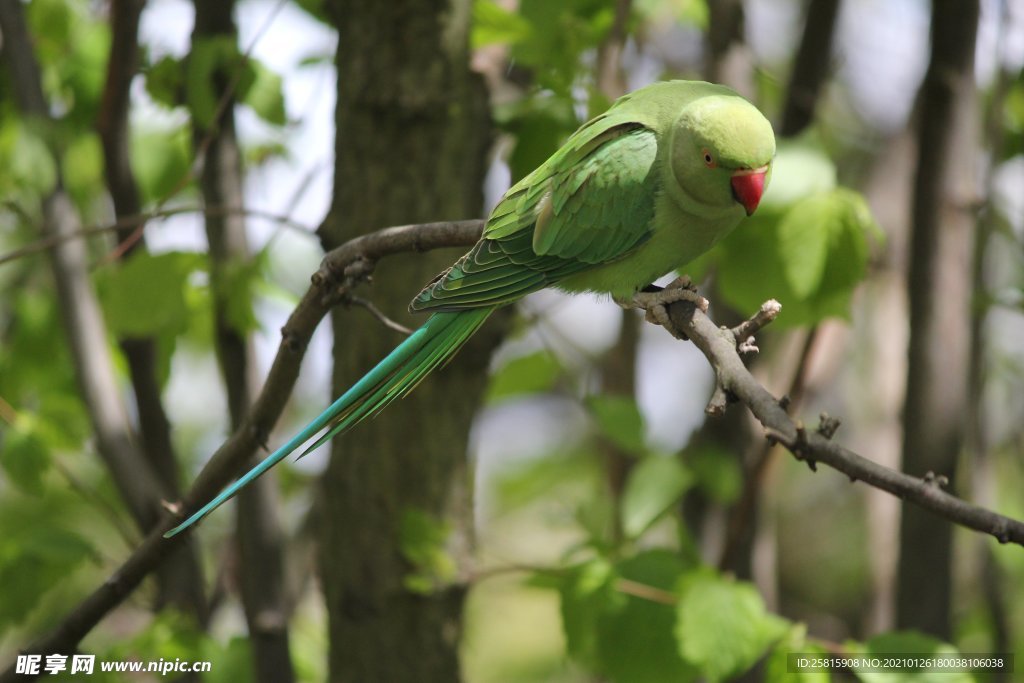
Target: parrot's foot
(654, 302)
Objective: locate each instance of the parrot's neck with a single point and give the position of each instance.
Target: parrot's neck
(692, 206)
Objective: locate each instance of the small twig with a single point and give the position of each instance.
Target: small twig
(828, 425)
(745, 331)
(626, 586)
(718, 402)
(646, 592)
(939, 481)
(144, 218)
(379, 314)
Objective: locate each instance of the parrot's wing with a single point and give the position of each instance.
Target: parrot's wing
(592, 202)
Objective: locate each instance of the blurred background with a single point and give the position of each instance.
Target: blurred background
(555, 505)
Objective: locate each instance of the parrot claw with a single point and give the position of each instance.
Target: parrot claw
(654, 302)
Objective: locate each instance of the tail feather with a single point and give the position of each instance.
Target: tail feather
(399, 373)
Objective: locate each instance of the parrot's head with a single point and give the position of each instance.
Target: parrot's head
(721, 152)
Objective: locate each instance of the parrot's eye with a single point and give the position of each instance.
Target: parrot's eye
(709, 160)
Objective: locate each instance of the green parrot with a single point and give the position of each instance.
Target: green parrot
(635, 193)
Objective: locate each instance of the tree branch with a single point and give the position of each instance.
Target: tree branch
(231, 457)
(719, 346)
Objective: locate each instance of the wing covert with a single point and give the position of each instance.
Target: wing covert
(591, 203)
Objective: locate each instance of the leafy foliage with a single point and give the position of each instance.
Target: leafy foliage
(199, 80)
(422, 539)
(621, 636)
(529, 374)
(722, 625)
(808, 244)
(654, 486)
(619, 420)
(39, 554)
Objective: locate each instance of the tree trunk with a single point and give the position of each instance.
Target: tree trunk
(939, 291)
(412, 134)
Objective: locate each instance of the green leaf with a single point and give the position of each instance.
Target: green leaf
(421, 540)
(83, 168)
(722, 626)
(907, 643)
(801, 168)
(807, 246)
(620, 421)
(585, 594)
(265, 96)
(635, 637)
(241, 280)
(495, 25)
(717, 472)
(234, 660)
(315, 9)
(653, 487)
(776, 668)
(161, 160)
(560, 34)
(616, 633)
(34, 559)
(810, 256)
(803, 242)
(24, 455)
(146, 295)
(213, 64)
(531, 374)
(659, 12)
(53, 19)
(26, 158)
(165, 82)
(265, 151)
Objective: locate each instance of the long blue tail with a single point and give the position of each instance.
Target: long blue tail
(395, 376)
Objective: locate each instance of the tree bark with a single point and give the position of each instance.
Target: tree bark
(412, 134)
(939, 289)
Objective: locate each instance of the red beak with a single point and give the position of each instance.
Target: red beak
(748, 186)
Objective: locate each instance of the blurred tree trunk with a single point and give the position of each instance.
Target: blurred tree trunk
(883, 307)
(813, 59)
(726, 58)
(939, 290)
(261, 565)
(180, 581)
(413, 130)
